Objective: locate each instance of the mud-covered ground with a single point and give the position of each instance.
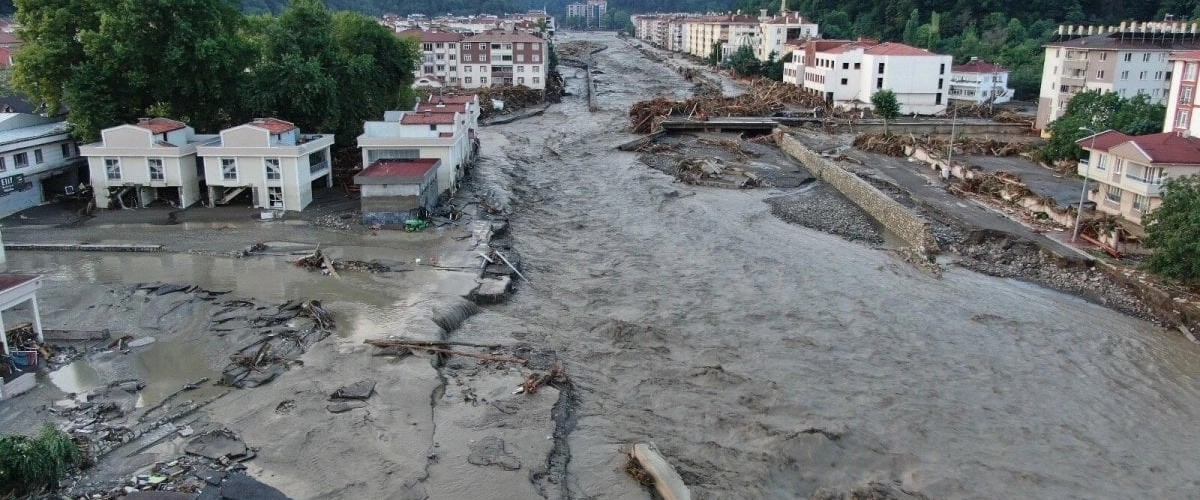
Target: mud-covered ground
(764, 358)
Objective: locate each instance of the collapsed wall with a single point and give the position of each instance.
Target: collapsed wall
(904, 223)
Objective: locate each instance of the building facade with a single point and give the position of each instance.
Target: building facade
(1130, 170)
(774, 32)
(394, 191)
(267, 162)
(38, 161)
(1129, 59)
(499, 58)
(978, 82)
(425, 133)
(439, 57)
(848, 73)
(154, 159)
(1183, 101)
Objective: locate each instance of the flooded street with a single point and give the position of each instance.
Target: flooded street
(768, 360)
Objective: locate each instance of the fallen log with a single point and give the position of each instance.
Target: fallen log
(667, 482)
(439, 350)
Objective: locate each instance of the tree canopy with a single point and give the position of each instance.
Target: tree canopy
(1099, 111)
(886, 106)
(1173, 230)
(204, 63)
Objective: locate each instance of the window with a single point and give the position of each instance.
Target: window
(857, 65)
(273, 171)
(229, 169)
(521, 80)
(495, 46)
(1104, 56)
(1142, 75)
(845, 65)
(942, 70)
(483, 79)
(1189, 71)
(1141, 203)
(1181, 119)
(536, 80)
(427, 46)
(453, 68)
(879, 83)
(429, 69)
(466, 79)
(466, 57)
(845, 81)
(520, 69)
(468, 69)
(21, 160)
(536, 58)
(275, 196)
(3, 164)
(939, 84)
(483, 57)
(453, 57)
(482, 69)
(537, 46)
(520, 46)
(537, 69)
(1185, 95)
(1102, 161)
(880, 67)
(520, 57)
(37, 157)
(508, 46)
(441, 68)
(1124, 75)
(440, 57)
(1100, 74)
(112, 168)
(66, 150)
(1113, 194)
(1117, 166)
(155, 165)
(1146, 57)
(1128, 56)
(441, 45)
(1158, 75)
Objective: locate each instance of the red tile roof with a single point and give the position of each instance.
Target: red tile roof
(416, 167)
(427, 119)
(455, 99)
(10, 281)
(978, 67)
(1162, 148)
(273, 125)
(897, 49)
(449, 107)
(432, 35)
(1104, 140)
(160, 125)
(843, 48)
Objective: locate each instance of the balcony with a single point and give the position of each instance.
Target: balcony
(1144, 187)
(318, 167)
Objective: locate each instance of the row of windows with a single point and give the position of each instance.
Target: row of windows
(1075, 55)
(154, 169)
(482, 69)
(484, 80)
(482, 46)
(21, 160)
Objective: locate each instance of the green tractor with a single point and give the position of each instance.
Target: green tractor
(412, 225)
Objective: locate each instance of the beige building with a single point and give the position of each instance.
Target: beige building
(155, 158)
(1131, 170)
(725, 30)
(1129, 59)
(267, 162)
(774, 32)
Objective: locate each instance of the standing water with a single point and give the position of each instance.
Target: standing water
(769, 361)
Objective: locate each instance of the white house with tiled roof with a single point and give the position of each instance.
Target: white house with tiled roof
(133, 165)
(978, 82)
(1131, 170)
(269, 163)
(848, 73)
(433, 131)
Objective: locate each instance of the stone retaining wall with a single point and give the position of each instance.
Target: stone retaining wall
(897, 218)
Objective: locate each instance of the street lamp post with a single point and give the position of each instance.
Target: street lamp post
(1087, 173)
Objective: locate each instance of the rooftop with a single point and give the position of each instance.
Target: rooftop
(10, 281)
(977, 66)
(447, 107)
(789, 18)
(385, 169)
(431, 35)
(427, 118)
(1166, 147)
(897, 49)
(503, 37)
(160, 125)
(1191, 55)
(273, 125)
(1156, 42)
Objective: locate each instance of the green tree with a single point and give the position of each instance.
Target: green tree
(1099, 111)
(910, 28)
(1173, 230)
(773, 68)
(744, 62)
(886, 107)
(552, 58)
(714, 56)
(51, 52)
(29, 464)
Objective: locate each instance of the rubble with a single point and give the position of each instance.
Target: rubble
(281, 344)
(897, 145)
(318, 261)
(763, 97)
(358, 390)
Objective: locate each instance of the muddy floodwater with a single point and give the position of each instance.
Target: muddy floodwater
(767, 360)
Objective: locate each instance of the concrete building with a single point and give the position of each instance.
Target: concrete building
(978, 82)
(1131, 170)
(394, 190)
(1183, 103)
(439, 57)
(269, 163)
(727, 32)
(774, 32)
(153, 159)
(591, 11)
(846, 74)
(38, 161)
(406, 135)
(1129, 59)
(500, 58)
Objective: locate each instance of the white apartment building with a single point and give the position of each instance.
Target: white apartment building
(1129, 59)
(269, 160)
(846, 74)
(776, 31)
(38, 160)
(704, 32)
(978, 82)
(402, 135)
(1183, 103)
(155, 158)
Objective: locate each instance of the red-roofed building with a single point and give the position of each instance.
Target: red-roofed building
(978, 82)
(266, 163)
(1131, 169)
(504, 58)
(847, 73)
(396, 190)
(9, 43)
(1183, 101)
(447, 136)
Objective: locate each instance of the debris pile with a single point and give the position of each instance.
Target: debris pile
(1000, 184)
(895, 145)
(318, 261)
(714, 172)
(282, 337)
(763, 97)
(514, 98)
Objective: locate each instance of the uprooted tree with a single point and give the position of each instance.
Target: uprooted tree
(1173, 230)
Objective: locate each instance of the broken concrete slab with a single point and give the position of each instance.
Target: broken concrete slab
(344, 406)
(241, 487)
(160, 495)
(490, 451)
(358, 390)
(217, 444)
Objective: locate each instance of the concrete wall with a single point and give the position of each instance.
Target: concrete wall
(906, 224)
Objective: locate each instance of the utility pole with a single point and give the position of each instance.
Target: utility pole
(1087, 173)
(950, 150)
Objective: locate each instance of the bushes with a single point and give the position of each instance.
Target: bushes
(28, 464)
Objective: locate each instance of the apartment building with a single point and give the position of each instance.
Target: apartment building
(591, 11)
(1183, 103)
(446, 136)
(503, 58)
(727, 31)
(439, 57)
(1129, 59)
(978, 82)
(268, 163)
(38, 161)
(774, 32)
(154, 159)
(1131, 170)
(847, 73)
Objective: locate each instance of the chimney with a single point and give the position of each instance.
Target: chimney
(762, 14)
(1090, 28)
(973, 58)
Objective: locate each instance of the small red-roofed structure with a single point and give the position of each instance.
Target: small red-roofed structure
(396, 190)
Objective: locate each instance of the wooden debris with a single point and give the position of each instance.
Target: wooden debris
(667, 481)
(428, 348)
(896, 145)
(763, 97)
(318, 261)
(534, 381)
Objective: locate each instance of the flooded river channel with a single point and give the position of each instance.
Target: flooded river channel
(768, 360)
